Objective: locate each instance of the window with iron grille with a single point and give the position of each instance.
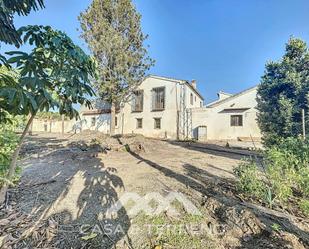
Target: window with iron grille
(236, 120)
(139, 123)
(158, 99)
(138, 101)
(157, 123)
(191, 98)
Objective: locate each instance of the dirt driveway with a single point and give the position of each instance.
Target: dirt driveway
(74, 180)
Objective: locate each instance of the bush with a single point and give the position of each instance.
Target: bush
(8, 143)
(286, 172)
(304, 207)
(250, 179)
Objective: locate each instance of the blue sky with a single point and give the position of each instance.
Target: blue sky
(223, 44)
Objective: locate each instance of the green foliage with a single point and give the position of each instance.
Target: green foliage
(250, 179)
(8, 8)
(285, 174)
(8, 143)
(276, 227)
(176, 233)
(304, 206)
(55, 74)
(113, 32)
(283, 93)
(8, 77)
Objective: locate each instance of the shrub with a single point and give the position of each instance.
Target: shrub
(304, 207)
(250, 179)
(8, 143)
(286, 172)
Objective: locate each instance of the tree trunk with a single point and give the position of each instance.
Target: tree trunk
(62, 124)
(31, 127)
(14, 159)
(113, 115)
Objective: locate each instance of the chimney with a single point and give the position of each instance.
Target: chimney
(193, 83)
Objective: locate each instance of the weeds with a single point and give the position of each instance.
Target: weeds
(8, 143)
(285, 174)
(304, 207)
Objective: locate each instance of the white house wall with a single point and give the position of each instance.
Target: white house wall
(127, 120)
(102, 123)
(218, 122)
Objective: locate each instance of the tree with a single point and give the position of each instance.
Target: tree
(112, 29)
(8, 8)
(54, 75)
(283, 93)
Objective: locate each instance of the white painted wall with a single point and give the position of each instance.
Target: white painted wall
(127, 120)
(218, 122)
(40, 125)
(102, 123)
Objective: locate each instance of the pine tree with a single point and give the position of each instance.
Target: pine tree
(112, 29)
(283, 93)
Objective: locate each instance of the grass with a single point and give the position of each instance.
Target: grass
(182, 232)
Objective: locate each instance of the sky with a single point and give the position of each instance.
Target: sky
(222, 44)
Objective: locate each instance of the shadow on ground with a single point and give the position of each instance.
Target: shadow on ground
(73, 188)
(250, 224)
(215, 150)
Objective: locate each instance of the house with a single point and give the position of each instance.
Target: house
(96, 119)
(158, 108)
(232, 116)
(163, 107)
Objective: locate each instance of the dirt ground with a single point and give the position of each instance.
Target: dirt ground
(68, 184)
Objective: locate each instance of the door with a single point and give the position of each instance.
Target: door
(202, 133)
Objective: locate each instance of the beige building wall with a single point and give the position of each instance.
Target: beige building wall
(127, 120)
(217, 117)
(39, 125)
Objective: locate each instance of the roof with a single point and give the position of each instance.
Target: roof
(225, 93)
(219, 102)
(96, 112)
(177, 81)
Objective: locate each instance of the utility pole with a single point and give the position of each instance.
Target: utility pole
(304, 123)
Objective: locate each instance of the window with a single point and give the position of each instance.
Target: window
(139, 123)
(137, 102)
(158, 99)
(93, 120)
(157, 123)
(191, 98)
(201, 104)
(236, 120)
(116, 121)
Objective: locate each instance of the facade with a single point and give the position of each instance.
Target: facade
(230, 117)
(168, 108)
(157, 108)
(96, 119)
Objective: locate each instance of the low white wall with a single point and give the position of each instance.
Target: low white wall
(52, 125)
